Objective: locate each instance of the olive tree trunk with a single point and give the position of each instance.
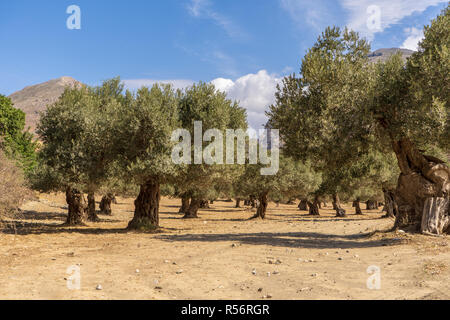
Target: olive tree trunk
(371, 205)
(146, 207)
(253, 202)
(184, 204)
(192, 211)
(262, 207)
(357, 206)
(238, 202)
(91, 214)
(105, 204)
(435, 219)
(204, 204)
(423, 183)
(313, 208)
(340, 212)
(76, 207)
(303, 205)
(390, 205)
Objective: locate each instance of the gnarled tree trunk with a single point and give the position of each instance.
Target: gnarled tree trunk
(262, 208)
(184, 204)
(303, 205)
(105, 204)
(435, 219)
(146, 207)
(253, 202)
(390, 205)
(340, 212)
(192, 211)
(92, 215)
(313, 208)
(204, 204)
(238, 202)
(371, 205)
(77, 207)
(422, 179)
(356, 205)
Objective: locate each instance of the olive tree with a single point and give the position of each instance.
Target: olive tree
(77, 134)
(293, 177)
(344, 106)
(206, 114)
(318, 114)
(148, 120)
(15, 140)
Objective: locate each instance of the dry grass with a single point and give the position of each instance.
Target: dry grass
(12, 187)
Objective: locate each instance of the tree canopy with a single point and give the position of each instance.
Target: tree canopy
(342, 108)
(15, 141)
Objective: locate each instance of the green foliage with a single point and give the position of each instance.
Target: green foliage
(147, 121)
(367, 177)
(322, 114)
(344, 113)
(202, 102)
(429, 83)
(294, 179)
(14, 140)
(78, 134)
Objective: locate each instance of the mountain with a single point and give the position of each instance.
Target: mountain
(34, 99)
(384, 54)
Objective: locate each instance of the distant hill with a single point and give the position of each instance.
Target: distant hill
(384, 54)
(34, 99)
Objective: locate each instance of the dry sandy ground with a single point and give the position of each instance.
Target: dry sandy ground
(214, 257)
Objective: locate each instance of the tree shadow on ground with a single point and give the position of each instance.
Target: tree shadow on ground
(229, 210)
(30, 225)
(229, 220)
(35, 215)
(289, 240)
(25, 228)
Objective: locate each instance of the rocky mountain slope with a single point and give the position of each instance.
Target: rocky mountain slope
(384, 54)
(34, 99)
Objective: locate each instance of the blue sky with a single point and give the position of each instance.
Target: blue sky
(243, 46)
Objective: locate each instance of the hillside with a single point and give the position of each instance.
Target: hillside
(384, 54)
(34, 99)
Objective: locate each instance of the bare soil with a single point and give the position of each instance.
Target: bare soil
(222, 255)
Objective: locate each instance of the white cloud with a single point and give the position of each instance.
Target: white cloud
(362, 14)
(414, 37)
(315, 13)
(255, 92)
(203, 9)
(391, 12)
(196, 6)
(134, 84)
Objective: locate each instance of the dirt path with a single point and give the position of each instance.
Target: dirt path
(214, 257)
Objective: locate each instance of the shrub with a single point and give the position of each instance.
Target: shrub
(12, 187)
